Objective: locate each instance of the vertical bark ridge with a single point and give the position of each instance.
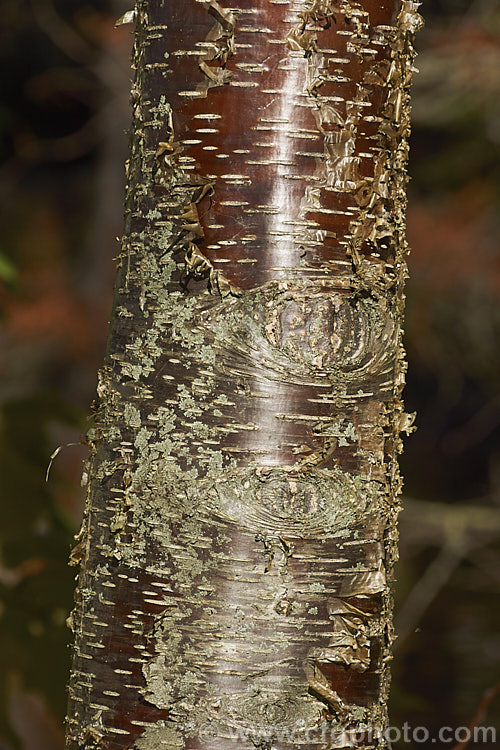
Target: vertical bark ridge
(239, 534)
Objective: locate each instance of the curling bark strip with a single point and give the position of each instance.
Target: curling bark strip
(239, 532)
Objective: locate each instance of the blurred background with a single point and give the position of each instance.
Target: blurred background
(65, 80)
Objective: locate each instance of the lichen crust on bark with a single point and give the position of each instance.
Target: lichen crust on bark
(239, 534)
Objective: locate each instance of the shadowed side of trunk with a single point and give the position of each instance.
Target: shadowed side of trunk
(239, 535)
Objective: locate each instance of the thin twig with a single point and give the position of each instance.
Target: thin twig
(61, 33)
(427, 588)
(479, 715)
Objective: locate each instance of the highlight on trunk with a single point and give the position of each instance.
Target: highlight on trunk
(240, 529)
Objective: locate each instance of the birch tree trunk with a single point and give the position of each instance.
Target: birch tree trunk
(239, 534)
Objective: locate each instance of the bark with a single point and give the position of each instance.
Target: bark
(239, 535)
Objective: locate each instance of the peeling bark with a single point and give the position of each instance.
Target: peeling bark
(239, 534)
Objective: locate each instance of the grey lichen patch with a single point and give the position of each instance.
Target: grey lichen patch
(141, 441)
(154, 273)
(159, 689)
(316, 587)
(286, 502)
(132, 415)
(188, 404)
(163, 735)
(260, 714)
(339, 428)
(166, 675)
(303, 334)
(123, 312)
(275, 501)
(274, 510)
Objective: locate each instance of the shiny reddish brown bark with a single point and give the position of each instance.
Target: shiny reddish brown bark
(265, 141)
(239, 534)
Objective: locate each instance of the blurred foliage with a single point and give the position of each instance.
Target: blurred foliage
(453, 316)
(451, 656)
(65, 82)
(35, 582)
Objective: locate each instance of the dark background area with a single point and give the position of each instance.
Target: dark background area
(65, 80)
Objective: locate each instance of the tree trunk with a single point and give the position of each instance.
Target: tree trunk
(239, 535)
